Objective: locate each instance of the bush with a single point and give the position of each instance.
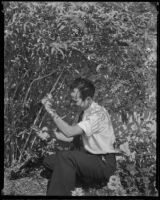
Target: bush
(83, 38)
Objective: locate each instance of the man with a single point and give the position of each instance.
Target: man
(96, 160)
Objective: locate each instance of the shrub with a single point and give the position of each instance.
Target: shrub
(83, 38)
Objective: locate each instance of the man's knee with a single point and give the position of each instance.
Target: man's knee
(65, 156)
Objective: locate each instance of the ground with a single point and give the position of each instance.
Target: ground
(33, 185)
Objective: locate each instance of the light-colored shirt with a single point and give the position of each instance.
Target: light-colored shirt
(98, 137)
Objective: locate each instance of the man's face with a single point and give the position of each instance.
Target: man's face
(76, 97)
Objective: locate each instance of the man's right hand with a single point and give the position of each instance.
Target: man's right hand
(46, 99)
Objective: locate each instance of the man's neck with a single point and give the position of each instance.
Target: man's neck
(88, 106)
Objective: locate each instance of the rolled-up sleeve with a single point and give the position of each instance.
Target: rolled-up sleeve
(90, 125)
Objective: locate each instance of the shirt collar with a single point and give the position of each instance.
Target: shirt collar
(90, 107)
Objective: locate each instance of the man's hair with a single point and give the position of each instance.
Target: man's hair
(85, 87)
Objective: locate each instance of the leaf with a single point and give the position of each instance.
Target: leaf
(124, 116)
(77, 71)
(80, 24)
(98, 67)
(25, 26)
(65, 46)
(61, 28)
(129, 126)
(116, 87)
(52, 50)
(146, 180)
(61, 52)
(43, 46)
(125, 148)
(146, 114)
(131, 169)
(14, 18)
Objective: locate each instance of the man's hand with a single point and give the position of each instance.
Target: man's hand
(47, 98)
(46, 101)
(42, 134)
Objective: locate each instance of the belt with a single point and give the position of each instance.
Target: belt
(106, 154)
(100, 154)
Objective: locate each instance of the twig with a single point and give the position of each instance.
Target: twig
(29, 135)
(39, 78)
(19, 84)
(56, 94)
(33, 141)
(54, 86)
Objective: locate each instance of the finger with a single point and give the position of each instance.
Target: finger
(48, 105)
(49, 96)
(44, 100)
(48, 102)
(49, 109)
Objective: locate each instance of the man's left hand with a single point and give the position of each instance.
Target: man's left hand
(48, 106)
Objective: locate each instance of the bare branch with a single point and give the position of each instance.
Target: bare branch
(37, 117)
(39, 78)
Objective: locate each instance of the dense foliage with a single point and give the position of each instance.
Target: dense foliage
(112, 44)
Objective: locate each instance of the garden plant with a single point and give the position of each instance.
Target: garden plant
(46, 46)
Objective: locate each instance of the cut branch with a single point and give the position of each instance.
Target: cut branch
(39, 78)
(37, 117)
(45, 113)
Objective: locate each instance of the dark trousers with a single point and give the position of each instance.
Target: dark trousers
(66, 166)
